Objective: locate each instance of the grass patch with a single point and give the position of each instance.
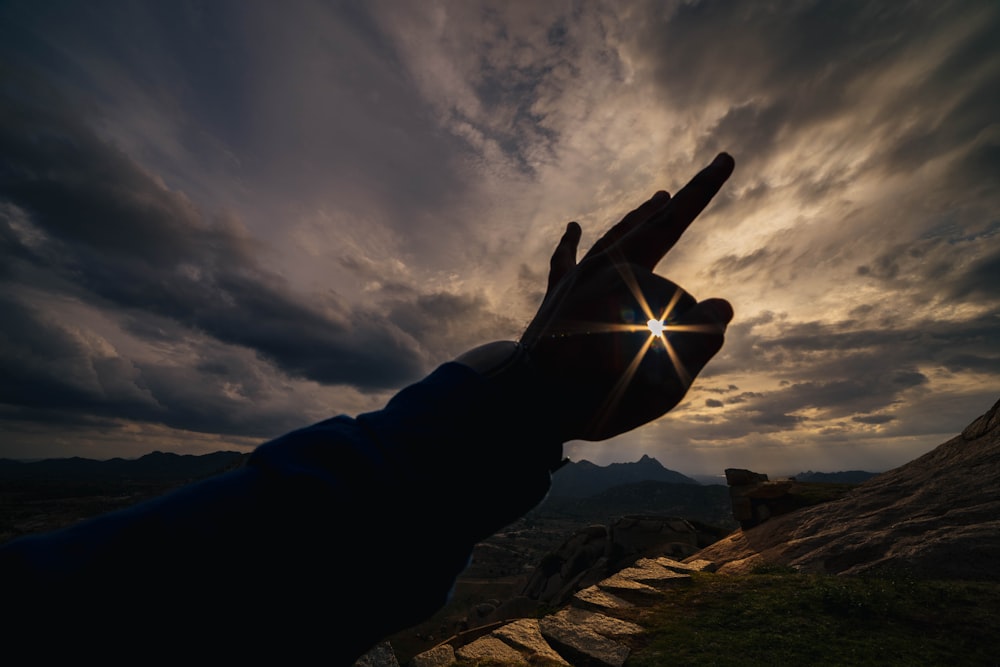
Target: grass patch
(775, 617)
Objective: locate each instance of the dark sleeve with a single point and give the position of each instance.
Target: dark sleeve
(374, 515)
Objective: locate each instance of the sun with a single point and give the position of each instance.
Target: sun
(656, 327)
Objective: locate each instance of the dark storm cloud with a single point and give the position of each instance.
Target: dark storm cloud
(981, 279)
(777, 64)
(719, 390)
(58, 374)
(445, 323)
(919, 79)
(836, 350)
(44, 366)
(968, 95)
(743, 397)
(286, 108)
(873, 419)
(754, 261)
(842, 397)
(839, 370)
(96, 220)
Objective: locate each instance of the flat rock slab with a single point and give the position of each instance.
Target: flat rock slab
(689, 565)
(492, 648)
(580, 644)
(629, 589)
(525, 635)
(649, 572)
(602, 624)
(439, 656)
(588, 645)
(593, 597)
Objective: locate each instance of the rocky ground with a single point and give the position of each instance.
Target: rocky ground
(934, 517)
(586, 630)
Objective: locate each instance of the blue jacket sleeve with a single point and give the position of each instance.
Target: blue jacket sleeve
(374, 516)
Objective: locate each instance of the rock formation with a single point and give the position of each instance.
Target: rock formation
(596, 552)
(583, 632)
(755, 498)
(938, 515)
(380, 655)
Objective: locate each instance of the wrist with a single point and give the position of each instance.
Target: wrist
(494, 358)
(509, 368)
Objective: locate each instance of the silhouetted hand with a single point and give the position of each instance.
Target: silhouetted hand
(590, 338)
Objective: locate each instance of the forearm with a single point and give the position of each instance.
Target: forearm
(388, 504)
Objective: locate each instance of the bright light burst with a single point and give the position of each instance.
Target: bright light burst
(657, 327)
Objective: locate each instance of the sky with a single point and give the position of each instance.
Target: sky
(220, 221)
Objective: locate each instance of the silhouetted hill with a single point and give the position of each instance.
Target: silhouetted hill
(695, 502)
(36, 496)
(154, 466)
(582, 479)
(842, 477)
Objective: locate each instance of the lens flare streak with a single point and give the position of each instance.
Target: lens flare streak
(618, 391)
(657, 328)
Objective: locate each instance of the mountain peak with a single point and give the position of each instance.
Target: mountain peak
(582, 479)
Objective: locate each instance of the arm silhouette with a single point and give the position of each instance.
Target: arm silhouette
(341, 533)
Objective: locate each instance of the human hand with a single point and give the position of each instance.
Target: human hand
(590, 337)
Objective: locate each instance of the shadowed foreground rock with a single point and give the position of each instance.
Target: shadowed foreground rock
(583, 633)
(380, 655)
(596, 552)
(938, 515)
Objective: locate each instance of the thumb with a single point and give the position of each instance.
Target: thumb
(564, 258)
(711, 312)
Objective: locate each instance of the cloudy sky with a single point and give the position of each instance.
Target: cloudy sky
(223, 220)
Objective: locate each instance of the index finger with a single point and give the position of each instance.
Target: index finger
(647, 244)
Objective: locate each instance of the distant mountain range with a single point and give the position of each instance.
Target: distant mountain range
(582, 479)
(695, 502)
(160, 466)
(581, 491)
(842, 477)
(579, 479)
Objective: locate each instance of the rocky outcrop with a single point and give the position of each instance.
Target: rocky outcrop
(938, 515)
(380, 655)
(584, 632)
(597, 552)
(754, 497)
